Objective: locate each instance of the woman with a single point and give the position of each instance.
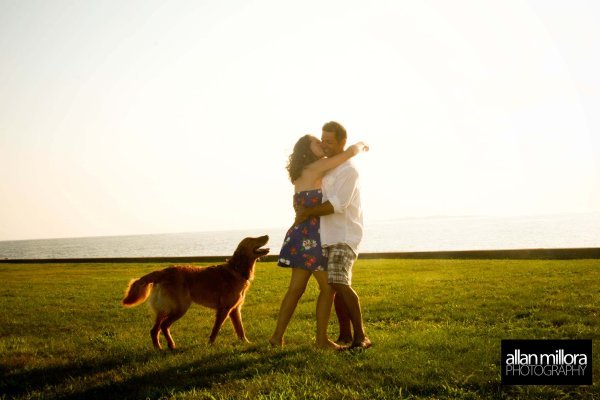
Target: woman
(301, 249)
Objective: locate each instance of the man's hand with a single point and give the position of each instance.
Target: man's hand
(304, 213)
(301, 214)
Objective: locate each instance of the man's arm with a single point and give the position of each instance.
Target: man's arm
(319, 210)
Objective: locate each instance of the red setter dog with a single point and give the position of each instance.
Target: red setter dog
(221, 287)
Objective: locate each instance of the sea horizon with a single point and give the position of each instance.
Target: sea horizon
(411, 234)
(366, 223)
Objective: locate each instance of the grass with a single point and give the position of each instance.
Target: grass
(436, 325)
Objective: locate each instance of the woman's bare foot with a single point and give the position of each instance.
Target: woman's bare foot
(276, 342)
(329, 345)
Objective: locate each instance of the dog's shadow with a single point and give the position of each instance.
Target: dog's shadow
(204, 372)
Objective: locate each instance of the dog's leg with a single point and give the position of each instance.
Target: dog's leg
(155, 331)
(222, 314)
(183, 304)
(165, 327)
(236, 320)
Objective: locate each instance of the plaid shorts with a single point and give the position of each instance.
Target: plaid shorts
(340, 259)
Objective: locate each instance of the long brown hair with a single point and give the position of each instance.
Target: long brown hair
(300, 157)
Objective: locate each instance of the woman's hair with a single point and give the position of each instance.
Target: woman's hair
(300, 157)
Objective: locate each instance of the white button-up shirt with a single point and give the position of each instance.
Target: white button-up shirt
(340, 187)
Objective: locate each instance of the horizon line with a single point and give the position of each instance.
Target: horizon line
(393, 219)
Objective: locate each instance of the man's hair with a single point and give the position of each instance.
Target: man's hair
(338, 129)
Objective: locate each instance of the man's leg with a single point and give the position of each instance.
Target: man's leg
(343, 317)
(339, 267)
(350, 299)
(324, 310)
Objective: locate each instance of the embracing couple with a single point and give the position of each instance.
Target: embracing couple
(324, 240)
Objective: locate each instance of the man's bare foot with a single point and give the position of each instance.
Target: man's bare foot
(365, 343)
(329, 345)
(344, 340)
(276, 343)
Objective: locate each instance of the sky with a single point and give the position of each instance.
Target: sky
(134, 117)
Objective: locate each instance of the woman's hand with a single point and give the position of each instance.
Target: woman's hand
(361, 146)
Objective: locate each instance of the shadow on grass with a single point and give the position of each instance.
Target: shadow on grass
(226, 366)
(17, 384)
(221, 367)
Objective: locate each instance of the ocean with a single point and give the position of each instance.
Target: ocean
(398, 235)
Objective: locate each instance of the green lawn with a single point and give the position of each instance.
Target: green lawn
(436, 327)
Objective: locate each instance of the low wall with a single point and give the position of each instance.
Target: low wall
(522, 254)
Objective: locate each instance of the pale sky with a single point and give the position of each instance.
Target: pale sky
(132, 117)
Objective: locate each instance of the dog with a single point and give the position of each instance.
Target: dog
(221, 287)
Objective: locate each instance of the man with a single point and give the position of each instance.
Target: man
(341, 233)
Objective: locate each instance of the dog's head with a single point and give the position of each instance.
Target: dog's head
(246, 254)
(251, 248)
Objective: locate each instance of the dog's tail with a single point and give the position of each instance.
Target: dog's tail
(138, 290)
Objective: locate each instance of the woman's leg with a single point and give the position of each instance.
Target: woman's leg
(324, 310)
(297, 286)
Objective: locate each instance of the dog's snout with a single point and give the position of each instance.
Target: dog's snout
(264, 238)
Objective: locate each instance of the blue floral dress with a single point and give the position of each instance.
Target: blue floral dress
(302, 244)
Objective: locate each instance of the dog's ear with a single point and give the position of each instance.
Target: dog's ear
(237, 256)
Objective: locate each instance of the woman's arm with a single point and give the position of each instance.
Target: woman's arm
(325, 164)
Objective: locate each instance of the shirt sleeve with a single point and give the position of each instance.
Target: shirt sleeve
(342, 191)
